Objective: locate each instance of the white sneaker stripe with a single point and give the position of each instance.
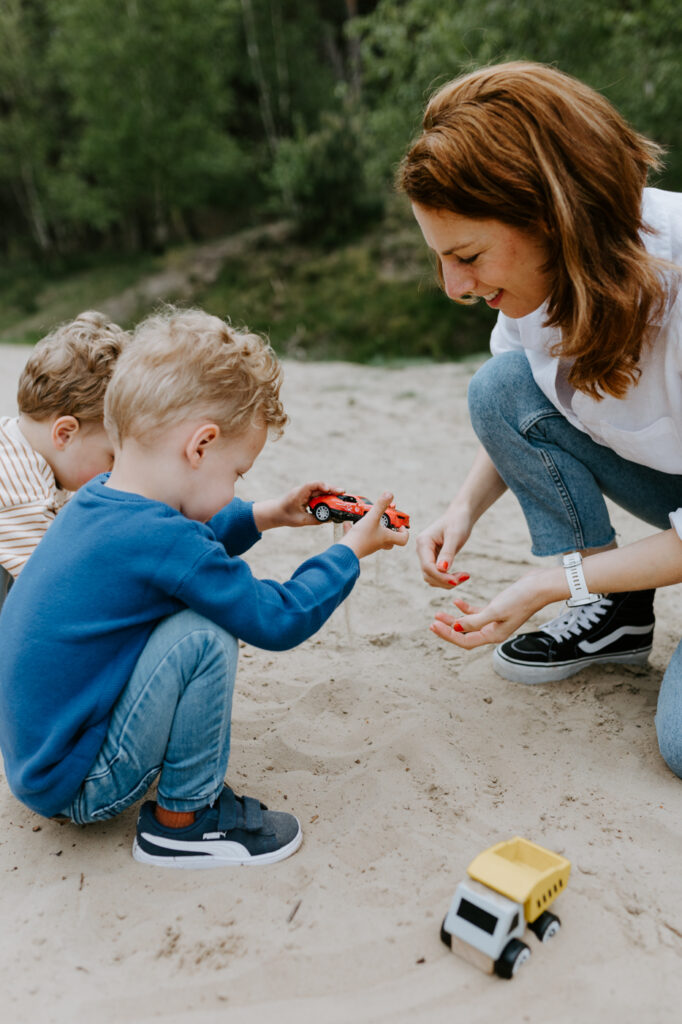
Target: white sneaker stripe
(224, 848)
(591, 647)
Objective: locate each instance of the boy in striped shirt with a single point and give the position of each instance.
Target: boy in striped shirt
(58, 441)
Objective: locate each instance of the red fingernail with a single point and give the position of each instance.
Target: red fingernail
(442, 566)
(458, 627)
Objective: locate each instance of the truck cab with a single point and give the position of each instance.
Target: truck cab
(485, 921)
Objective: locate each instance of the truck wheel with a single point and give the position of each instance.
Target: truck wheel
(322, 513)
(545, 926)
(385, 521)
(514, 955)
(445, 936)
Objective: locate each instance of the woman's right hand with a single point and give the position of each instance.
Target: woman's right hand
(438, 544)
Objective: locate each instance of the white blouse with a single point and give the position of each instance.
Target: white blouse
(646, 425)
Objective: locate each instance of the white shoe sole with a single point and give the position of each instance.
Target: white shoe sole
(531, 674)
(203, 861)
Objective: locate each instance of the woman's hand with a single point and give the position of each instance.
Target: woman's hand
(291, 509)
(438, 544)
(504, 614)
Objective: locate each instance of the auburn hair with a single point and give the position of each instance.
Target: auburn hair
(532, 147)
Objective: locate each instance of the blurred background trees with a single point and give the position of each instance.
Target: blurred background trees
(132, 130)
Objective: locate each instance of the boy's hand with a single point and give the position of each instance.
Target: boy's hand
(369, 534)
(290, 509)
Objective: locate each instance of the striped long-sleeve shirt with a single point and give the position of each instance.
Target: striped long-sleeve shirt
(29, 497)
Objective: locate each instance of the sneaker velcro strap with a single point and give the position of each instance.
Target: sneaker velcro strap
(253, 815)
(238, 812)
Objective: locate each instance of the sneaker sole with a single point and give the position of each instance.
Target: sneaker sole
(205, 861)
(532, 673)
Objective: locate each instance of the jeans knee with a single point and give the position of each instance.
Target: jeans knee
(669, 714)
(669, 733)
(670, 747)
(187, 635)
(497, 388)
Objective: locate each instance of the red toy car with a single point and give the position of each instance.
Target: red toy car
(340, 508)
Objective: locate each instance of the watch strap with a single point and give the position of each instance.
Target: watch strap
(575, 577)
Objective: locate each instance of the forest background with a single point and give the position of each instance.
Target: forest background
(240, 154)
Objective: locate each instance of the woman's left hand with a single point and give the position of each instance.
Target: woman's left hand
(497, 620)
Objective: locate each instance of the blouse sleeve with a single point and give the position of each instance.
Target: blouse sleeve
(505, 336)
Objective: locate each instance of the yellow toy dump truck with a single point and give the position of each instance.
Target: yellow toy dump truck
(511, 885)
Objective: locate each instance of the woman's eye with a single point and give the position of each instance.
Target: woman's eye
(469, 259)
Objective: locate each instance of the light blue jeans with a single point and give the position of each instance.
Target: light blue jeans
(171, 720)
(560, 477)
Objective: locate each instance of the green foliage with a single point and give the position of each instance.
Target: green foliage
(147, 97)
(321, 176)
(372, 300)
(127, 126)
(34, 299)
(629, 51)
(30, 124)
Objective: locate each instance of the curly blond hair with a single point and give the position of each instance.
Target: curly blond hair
(68, 371)
(187, 363)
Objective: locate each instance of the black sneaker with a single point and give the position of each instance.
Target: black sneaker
(236, 830)
(618, 628)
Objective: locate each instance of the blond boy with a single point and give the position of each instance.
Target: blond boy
(58, 441)
(131, 674)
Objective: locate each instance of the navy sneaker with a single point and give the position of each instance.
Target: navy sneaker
(618, 628)
(235, 830)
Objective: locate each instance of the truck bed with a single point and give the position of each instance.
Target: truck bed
(524, 872)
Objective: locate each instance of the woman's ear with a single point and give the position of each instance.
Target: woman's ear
(199, 442)
(63, 431)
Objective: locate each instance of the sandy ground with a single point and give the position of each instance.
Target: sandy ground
(403, 758)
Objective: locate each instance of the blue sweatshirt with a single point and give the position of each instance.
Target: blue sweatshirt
(110, 567)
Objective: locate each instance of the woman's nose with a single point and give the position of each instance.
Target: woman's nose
(458, 279)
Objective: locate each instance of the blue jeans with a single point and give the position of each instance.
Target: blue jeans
(171, 720)
(560, 477)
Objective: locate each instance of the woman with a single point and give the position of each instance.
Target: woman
(530, 189)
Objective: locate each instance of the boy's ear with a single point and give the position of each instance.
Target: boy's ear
(63, 431)
(198, 444)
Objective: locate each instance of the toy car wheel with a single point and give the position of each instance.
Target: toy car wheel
(385, 521)
(514, 956)
(322, 513)
(545, 926)
(445, 935)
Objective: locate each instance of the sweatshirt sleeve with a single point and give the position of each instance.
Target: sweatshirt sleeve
(265, 613)
(234, 527)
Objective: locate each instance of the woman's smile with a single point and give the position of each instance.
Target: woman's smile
(503, 265)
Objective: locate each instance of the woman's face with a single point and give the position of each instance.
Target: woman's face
(501, 264)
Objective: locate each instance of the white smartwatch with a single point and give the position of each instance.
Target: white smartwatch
(580, 594)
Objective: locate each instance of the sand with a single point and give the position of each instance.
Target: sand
(403, 758)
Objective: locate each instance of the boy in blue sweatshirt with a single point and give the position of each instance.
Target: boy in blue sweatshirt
(141, 598)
